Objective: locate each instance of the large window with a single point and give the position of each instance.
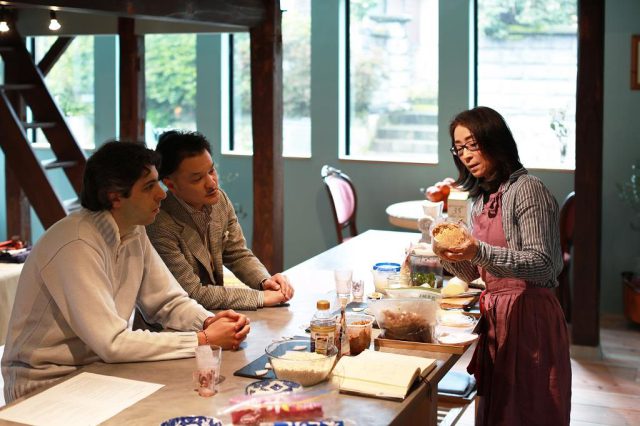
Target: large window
(393, 80)
(296, 70)
(527, 61)
(170, 80)
(71, 84)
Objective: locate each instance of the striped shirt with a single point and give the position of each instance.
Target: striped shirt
(530, 223)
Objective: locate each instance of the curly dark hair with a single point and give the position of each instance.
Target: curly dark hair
(496, 142)
(176, 145)
(114, 167)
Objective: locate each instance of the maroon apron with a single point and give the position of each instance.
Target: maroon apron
(521, 363)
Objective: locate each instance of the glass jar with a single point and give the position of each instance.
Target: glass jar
(425, 269)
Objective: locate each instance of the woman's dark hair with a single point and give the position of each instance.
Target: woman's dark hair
(496, 142)
(114, 167)
(176, 145)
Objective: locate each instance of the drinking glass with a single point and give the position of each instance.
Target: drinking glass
(357, 290)
(343, 282)
(208, 361)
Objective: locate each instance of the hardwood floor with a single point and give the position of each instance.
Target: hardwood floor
(604, 391)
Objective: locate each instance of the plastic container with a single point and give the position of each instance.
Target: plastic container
(381, 272)
(359, 332)
(323, 328)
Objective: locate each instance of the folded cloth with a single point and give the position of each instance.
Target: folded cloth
(15, 256)
(457, 383)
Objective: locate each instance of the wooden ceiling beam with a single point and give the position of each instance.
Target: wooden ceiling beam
(246, 13)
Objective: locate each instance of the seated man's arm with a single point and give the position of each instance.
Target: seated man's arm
(167, 245)
(235, 254)
(96, 303)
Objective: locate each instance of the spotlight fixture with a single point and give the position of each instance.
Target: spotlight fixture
(4, 27)
(54, 25)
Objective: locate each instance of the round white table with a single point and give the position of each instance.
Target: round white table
(405, 214)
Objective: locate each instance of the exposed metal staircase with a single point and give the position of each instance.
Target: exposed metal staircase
(25, 86)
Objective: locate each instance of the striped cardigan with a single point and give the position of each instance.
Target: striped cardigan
(175, 236)
(530, 223)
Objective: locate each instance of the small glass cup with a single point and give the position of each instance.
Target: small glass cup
(207, 375)
(357, 290)
(343, 282)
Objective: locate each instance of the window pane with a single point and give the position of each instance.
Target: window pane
(527, 62)
(393, 80)
(296, 75)
(241, 99)
(170, 80)
(70, 82)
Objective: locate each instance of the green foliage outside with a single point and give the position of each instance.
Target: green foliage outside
(511, 19)
(170, 73)
(296, 63)
(71, 79)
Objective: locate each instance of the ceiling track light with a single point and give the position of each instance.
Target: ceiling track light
(4, 26)
(54, 25)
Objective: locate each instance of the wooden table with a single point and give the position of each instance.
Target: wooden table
(9, 275)
(313, 280)
(405, 214)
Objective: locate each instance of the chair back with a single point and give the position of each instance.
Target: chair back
(567, 225)
(343, 200)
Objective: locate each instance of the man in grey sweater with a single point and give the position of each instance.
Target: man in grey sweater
(87, 274)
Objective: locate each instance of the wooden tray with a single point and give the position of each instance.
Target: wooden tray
(419, 346)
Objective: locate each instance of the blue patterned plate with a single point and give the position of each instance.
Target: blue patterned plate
(192, 421)
(271, 386)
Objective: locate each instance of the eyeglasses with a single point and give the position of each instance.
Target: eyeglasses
(469, 146)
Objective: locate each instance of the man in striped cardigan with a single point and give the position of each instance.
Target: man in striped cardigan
(197, 231)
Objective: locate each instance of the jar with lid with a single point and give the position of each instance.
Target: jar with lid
(381, 272)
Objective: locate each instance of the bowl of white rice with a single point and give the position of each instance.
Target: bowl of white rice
(292, 360)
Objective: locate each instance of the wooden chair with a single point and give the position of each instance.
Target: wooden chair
(567, 224)
(343, 200)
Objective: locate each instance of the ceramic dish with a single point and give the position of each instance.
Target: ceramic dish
(271, 386)
(192, 421)
(457, 339)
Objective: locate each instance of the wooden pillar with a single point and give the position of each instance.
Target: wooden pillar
(585, 317)
(132, 93)
(17, 203)
(266, 105)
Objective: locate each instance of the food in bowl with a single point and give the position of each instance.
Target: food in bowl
(447, 235)
(304, 367)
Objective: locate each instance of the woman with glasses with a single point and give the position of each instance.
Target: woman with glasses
(521, 362)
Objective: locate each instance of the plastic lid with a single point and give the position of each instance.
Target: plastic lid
(386, 267)
(322, 305)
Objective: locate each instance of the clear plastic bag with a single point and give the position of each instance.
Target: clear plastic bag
(406, 319)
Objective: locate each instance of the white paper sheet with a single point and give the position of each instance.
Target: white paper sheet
(86, 399)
